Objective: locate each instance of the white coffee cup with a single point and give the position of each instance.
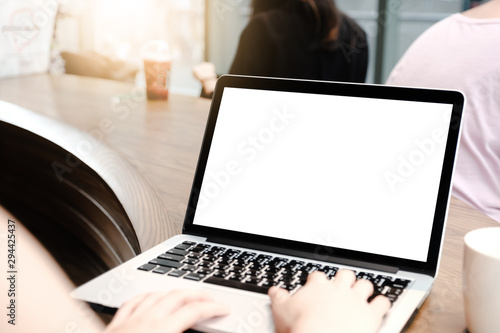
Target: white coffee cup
(481, 278)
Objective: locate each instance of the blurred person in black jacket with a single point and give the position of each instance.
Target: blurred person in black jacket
(303, 39)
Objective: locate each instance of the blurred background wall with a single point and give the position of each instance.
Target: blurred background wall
(35, 32)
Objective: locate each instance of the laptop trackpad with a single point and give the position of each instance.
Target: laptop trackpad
(248, 313)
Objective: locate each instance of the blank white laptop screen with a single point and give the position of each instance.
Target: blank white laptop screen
(347, 172)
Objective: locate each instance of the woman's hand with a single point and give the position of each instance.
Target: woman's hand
(323, 305)
(167, 312)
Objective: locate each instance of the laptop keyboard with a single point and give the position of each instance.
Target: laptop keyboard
(251, 271)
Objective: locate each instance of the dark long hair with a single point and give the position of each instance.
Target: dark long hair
(325, 16)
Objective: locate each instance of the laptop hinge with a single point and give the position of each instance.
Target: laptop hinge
(306, 255)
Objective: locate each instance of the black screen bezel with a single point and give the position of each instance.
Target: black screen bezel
(454, 98)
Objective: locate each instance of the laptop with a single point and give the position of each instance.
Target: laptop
(296, 176)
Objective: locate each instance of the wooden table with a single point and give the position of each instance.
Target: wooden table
(162, 140)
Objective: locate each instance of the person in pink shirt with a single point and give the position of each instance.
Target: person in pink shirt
(462, 52)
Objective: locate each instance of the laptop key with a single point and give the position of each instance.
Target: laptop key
(268, 283)
(189, 268)
(219, 274)
(272, 269)
(400, 283)
(177, 252)
(269, 277)
(252, 273)
(238, 262)
(231, 253)
(366, 276)
(297, 262)
(288, 287)
(287, 273)
(182, 246)
(378, 281)
(302, 280)
(311, 269)
(162, 270)
(214, 251)
(190, 261)
(172, 257)
(194, 276)
(397, 291)
(209, 257)
(224, 261)
(166, 263)
(252, 280)
(255, 265)
(204, 271)
(200, 248)
(205, 264)
(245, 258)
(285, 280)
(287, 267)
(221, 267)
(147, 267)
(278, 262)
(237, 285)
(236, 277)
(330, 270)
(237, 269)
(176, 273)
